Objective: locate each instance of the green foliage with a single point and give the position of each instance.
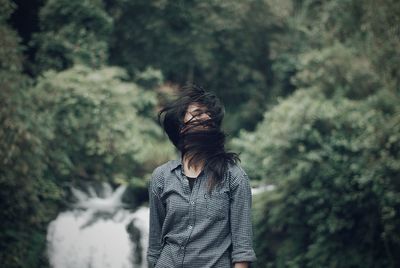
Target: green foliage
(330, 70)
(381, 25)
(150, 78)
(369, 27)
(7, 7)
(72, 32)
(80, 124)
(332, 146)
(335, 164)
(28, 201)
(101, 125)
(10, 51)
(222, 45)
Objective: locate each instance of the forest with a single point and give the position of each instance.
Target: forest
(311, 91)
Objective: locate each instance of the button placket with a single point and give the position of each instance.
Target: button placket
(195, 192)
(192, 208)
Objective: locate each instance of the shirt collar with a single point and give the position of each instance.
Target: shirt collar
(178, 163)
(175, 163)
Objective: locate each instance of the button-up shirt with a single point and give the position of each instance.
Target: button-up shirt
(193, 229)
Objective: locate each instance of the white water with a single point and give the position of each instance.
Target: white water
(263, 188)
(94, 233)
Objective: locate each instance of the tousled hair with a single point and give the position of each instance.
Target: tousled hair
(200, 145)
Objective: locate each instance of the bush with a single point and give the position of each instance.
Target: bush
(335, 163)
(101, 126)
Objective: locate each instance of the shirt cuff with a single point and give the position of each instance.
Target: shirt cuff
(244, 256)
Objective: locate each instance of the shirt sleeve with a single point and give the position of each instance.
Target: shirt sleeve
(241, 221)
(157, 216)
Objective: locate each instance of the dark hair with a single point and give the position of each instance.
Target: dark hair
(205, 145)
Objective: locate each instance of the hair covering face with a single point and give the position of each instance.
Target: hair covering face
(199, 140)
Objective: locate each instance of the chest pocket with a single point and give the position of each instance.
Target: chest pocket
(218, 204)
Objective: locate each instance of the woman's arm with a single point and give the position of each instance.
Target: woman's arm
(157, 216)
(241, 220)
(241, 265)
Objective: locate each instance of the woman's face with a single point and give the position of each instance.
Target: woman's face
(195, 112)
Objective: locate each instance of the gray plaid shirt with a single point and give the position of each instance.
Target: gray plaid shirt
(196, 230)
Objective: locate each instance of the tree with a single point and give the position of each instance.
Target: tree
(72, 32)
(332, 146)
(221, 45)
(28, 200)
(103, 128)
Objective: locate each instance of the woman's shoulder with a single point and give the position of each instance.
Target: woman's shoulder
(166, 166)
(157, 177)
(235, 169)
(160, 171)
(161, 168)
(236, 173)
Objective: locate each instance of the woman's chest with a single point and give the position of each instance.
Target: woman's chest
(197, 204)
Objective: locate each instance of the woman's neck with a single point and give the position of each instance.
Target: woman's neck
(193, 171)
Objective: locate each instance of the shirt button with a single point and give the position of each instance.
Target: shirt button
(182, 247)
(192, 202)
(190, 226)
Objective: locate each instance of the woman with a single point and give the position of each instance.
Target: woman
(200, 204)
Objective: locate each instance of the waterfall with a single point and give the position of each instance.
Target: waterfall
(94, 233)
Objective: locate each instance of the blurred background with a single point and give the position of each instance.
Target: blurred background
(311, 90)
